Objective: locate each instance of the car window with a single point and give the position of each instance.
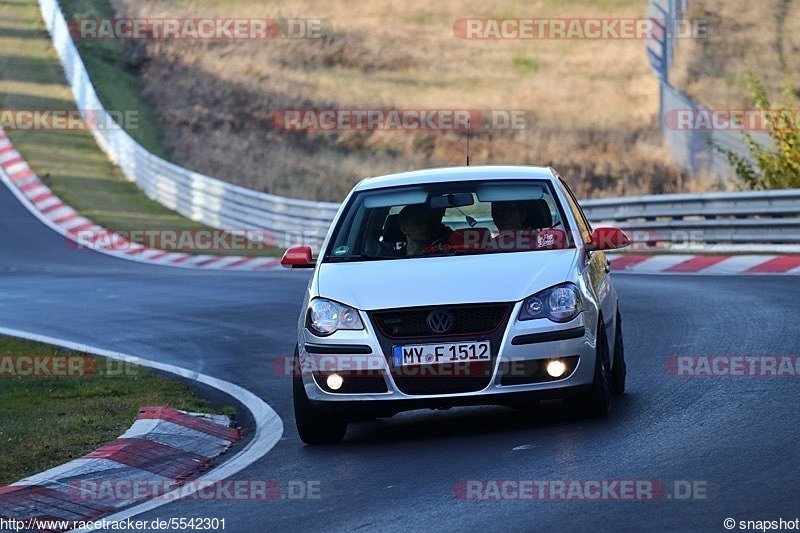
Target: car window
(583, 223)
(444, 219)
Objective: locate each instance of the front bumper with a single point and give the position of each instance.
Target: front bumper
(517, 343)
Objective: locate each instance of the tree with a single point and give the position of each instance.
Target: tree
(771, 167)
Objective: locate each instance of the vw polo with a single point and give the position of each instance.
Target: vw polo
(459, 286)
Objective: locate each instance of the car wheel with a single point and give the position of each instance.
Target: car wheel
(597, 403)
(619, 371)
(314, 425)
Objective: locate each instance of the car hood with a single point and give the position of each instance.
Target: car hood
(499, 277)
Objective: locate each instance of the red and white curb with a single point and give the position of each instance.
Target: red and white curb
(163, 448)
(49, 209)
(706, 264)
(54, 213)
(267, 433)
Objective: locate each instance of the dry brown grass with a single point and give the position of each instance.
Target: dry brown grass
(594, 103)
(762, 36)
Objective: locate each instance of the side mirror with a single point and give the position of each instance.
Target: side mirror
(608, 239)
(297, 257)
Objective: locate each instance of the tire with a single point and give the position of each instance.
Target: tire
(314, 425)
(619, 370)
(597, 402)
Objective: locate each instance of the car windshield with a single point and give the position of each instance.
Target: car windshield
(475, 217)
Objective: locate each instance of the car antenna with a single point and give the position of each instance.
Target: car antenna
(469, 131)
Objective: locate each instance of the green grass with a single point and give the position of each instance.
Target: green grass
(115, 73)
(48, 421)
(70, 162)
(526, 65)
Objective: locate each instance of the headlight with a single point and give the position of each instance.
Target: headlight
(325, 317)
(560, 304)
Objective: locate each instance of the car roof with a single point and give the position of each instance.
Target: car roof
(442, 175)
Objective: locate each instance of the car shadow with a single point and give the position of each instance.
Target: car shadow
(427, 425)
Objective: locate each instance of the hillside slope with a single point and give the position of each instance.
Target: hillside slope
(762, 36)
(591, 104)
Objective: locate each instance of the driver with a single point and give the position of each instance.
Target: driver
(422, 227)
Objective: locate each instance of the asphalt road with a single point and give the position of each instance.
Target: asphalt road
(739, 436)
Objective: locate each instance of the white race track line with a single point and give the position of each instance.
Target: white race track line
(269, 427)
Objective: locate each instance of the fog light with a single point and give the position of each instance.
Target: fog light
(335, 381)
(556, 369)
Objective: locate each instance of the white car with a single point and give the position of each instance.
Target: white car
(456, 286)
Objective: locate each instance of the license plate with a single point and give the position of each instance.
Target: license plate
(437, 354)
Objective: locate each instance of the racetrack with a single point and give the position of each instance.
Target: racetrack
(739, 435)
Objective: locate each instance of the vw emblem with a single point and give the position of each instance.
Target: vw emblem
(440, 321)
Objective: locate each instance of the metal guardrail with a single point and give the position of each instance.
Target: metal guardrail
(758, 217)
(691, 149)
(754, 218)
(202, 198)
(752, 203)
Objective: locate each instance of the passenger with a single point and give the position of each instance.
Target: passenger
(511, 219)
(423, 228)
(509, 216)
(538, 215)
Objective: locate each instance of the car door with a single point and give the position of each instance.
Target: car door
(597, 265)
